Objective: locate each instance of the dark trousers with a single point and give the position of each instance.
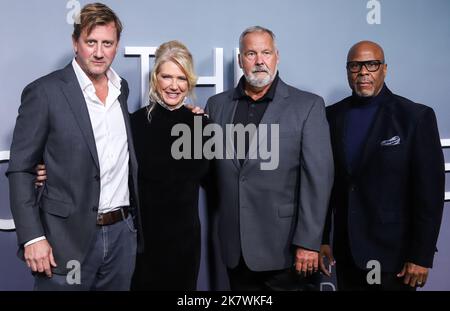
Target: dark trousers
(352, 278)
(243, 279)
(109, 264)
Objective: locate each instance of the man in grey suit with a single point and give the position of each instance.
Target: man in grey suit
(80, 224)
(271, 219)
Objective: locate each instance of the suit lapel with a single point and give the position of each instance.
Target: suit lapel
(75, 98)
(126, 118)
(271, 116)
(227, 118)
(339, 133)
(131, 152)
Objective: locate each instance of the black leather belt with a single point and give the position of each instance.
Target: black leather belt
(110, 218)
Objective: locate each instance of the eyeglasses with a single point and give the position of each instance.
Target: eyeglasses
(371, 66)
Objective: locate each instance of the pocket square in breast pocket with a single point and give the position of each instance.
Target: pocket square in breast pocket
(391, 141)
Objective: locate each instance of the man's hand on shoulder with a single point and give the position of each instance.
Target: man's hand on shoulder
(195, 109)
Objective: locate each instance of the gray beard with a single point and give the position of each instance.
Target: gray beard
(259, 83)
(253, 81)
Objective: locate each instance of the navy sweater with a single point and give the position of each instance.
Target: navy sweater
(359, 120)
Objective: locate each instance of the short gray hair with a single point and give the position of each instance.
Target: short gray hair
(253, 29)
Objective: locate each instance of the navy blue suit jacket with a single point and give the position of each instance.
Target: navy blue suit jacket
(390, 207)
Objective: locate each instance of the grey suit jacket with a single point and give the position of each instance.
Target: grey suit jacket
(53, 125)
(265, 214)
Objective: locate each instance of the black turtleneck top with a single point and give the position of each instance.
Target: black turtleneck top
(168, 192)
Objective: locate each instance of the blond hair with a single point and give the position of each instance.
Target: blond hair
(176, 52)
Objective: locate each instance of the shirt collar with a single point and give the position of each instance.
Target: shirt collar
(85, 82)
(239, 91)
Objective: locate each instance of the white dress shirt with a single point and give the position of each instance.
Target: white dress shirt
(110, 139)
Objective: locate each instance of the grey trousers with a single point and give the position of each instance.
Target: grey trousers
(109, 264)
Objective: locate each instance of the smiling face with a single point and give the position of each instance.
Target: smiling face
(258, 59)
(172, 83)
(96, 51)
(365, 83)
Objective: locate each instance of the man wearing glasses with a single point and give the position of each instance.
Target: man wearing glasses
(388, 191)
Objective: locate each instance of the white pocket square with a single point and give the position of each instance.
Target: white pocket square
(391, 141)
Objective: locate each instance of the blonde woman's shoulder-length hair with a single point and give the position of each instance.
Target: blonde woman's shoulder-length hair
(176, 52)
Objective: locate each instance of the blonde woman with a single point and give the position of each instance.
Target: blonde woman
(168, 188)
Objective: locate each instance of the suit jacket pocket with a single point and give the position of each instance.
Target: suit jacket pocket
(392, 148)
(55, 207)
(286, 210)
